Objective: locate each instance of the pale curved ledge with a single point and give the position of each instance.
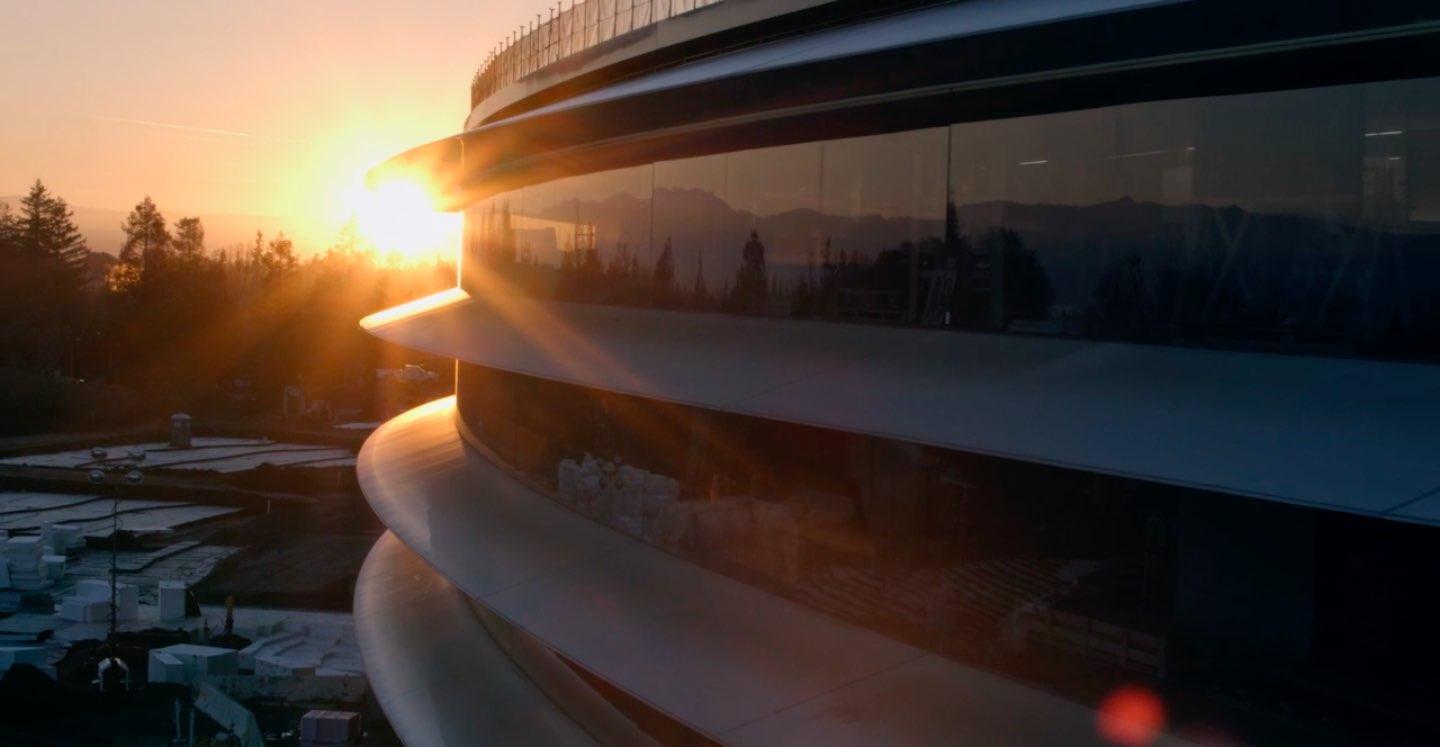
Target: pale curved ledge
(440, 677)
(1339, 434)
(727, 660)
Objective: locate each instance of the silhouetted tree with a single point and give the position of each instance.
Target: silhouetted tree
(47, 235)
(43, 262)
(147, 245)
(751, 283)
(189, 239)
(1120, 295)
(1026, 285)
(802, 301)
(279, 260)
(699, 293)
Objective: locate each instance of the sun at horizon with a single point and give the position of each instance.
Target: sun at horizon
(398, 219)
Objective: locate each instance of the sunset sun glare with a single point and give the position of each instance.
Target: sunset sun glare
(399, 218)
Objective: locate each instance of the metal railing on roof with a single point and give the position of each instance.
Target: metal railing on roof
(584, 24)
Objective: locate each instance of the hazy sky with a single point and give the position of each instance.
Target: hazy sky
(246, 106)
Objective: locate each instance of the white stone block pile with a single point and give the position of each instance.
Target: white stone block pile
(624, 496)
(24, 567)
(183, 663)
(91, 602)
(172, 600)
(60, 539)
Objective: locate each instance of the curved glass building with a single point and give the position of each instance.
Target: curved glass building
(997, 371)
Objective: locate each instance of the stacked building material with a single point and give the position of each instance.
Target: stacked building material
(53, 567)
(91, 602)
(172, 600)
(182, 663)
(23, 562)
(59, 539)
(626, 497)
(330, 729)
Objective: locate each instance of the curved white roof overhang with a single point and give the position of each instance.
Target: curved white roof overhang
(431, 663)
(726, 659)
(1348, 435)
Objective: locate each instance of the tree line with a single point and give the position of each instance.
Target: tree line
(196, 327)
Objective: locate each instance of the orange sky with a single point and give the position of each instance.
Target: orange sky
(257, 107)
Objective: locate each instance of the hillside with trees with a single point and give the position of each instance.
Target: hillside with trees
(173, 323)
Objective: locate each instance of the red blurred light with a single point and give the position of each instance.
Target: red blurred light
(1131, 715)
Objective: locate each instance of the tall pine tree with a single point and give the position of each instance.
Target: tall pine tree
(189, 239)
(48, 237)
(146, 247)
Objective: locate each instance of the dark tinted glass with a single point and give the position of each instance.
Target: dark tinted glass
(1076, 581)
(1298, 221)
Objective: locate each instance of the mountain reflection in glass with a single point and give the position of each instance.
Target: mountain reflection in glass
(1297, 221)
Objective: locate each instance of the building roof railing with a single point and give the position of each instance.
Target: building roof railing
(585, 24)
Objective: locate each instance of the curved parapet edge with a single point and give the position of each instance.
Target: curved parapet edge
(730, 661)
(439, 675)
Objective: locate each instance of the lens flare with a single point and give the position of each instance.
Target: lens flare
(399, 218)
(1132, 716)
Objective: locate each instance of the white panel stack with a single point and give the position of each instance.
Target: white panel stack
(279, 666)
(53, 567)
(172, 600)
(165, 667)
(182, 663)
(23, 555)
(24, 654)
(60, 539)
(330, 729)
(91, 602)
(76, 609)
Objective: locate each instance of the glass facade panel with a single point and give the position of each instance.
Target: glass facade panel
(883, 201)
(774, 196)
(694, 222)
(1077, 581)
(1280, 219)
(1297, 221)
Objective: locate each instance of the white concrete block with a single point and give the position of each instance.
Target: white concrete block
(196, 661)
(32, 655)
(127, 602)
(172, 600)
(93, 588)
(279, 666)
(66, 537)
(54, 567)
(77, 609)
(23, 547)
(330, 727)
(166, 668)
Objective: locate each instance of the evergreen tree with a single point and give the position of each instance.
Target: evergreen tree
(189, 240)
(7, 235)
(42, 280)
(751, 284)
(49, 238)
(279, 260)
(664, 276)
(665, 266)
(146, 247)
(698, 292)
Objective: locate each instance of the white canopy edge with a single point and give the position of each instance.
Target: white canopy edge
(439, 676)
(1340, 434)
(725, 658)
